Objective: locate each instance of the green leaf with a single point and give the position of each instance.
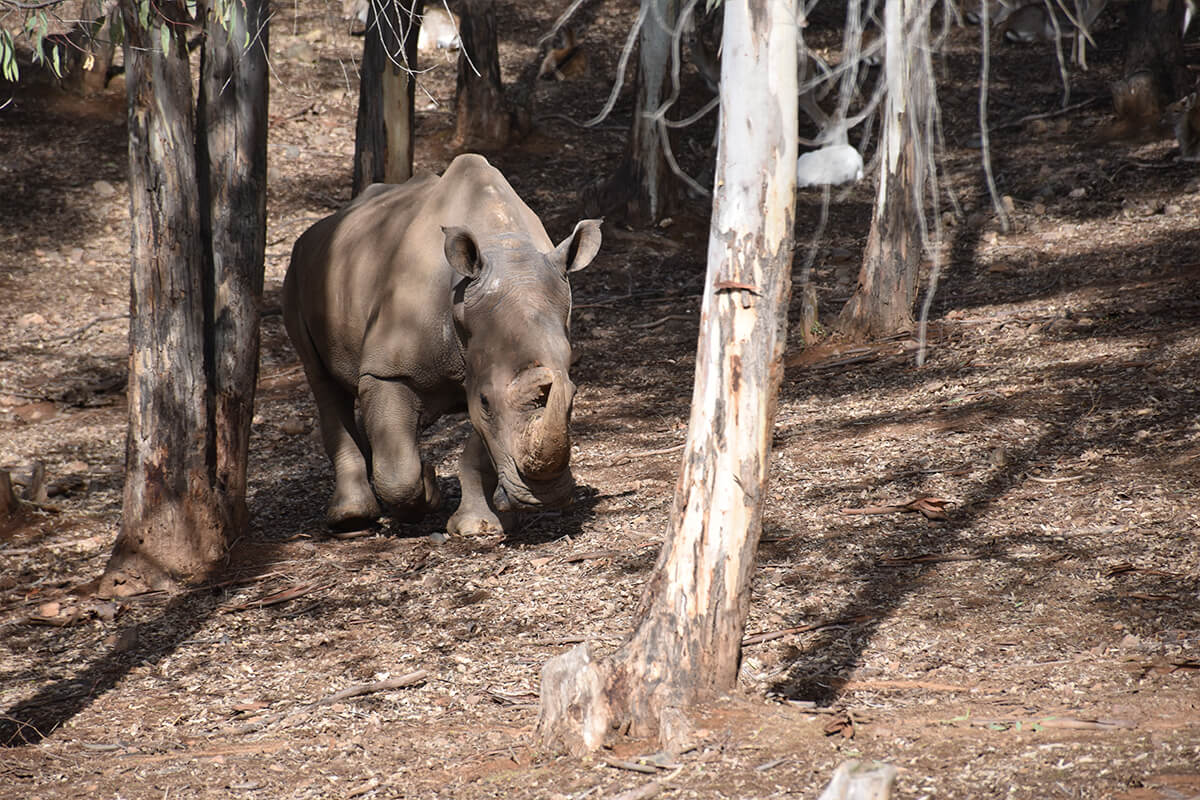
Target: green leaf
(117, 30)
(144, 14)
(56, 61)
(164, 35)
(8, 57)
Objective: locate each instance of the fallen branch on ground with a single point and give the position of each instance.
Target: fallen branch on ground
(929, 507)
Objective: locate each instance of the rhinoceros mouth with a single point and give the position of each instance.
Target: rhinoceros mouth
(523, 494)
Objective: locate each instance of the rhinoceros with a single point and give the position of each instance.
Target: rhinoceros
(418, 299)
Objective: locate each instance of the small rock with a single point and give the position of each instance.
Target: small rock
(301, 51)
(1078, 193)
(31, 320)
(1172, 209)
(991, 237)
(314, 36)
(1039, 127)
(998, 458)
(52, 608)
(107, 612)
(948, 219)
(293, 426)
(840, 255)
(1034, 328)
(860, 780)
(103, 189)
(1039, 208)
(36, 412)
(76, 254)
(438, 537)
(291, 151)
(1007, 204)
(1130, 642)
(75, 466)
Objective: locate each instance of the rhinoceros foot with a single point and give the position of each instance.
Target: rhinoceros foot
(470, 522)
(352, 512)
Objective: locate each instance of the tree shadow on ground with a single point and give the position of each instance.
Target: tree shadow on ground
(1079, 416)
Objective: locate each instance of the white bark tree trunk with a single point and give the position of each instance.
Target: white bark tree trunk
(687, 641)
(882, 303)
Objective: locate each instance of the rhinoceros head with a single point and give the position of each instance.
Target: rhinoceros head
(512, 312)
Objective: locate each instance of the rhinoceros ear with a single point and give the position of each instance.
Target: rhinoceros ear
(462, 254)
(578, 249)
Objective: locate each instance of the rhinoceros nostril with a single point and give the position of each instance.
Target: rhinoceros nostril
(543, 395)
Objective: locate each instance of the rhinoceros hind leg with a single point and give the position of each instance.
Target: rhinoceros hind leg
(391, 413)
(475, 515)
(353, 504)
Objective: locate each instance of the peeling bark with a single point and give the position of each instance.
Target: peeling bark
(687, 641)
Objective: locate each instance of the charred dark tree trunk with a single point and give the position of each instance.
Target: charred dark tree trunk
(233, 187)
(1155, 73)
(383, 145)
(687, 640)
(882, 303)
(483, 119)
(197, 207)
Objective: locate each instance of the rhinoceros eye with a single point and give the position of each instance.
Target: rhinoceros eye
(484, 405)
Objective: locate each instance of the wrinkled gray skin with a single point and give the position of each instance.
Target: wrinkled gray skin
(423, 297)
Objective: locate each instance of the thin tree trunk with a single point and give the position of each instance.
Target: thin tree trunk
(882, 303)
(171, 529)
(233, 183)
(687, 639)
(654, 185)
(643, 190)
(482, 118)
(383, 145)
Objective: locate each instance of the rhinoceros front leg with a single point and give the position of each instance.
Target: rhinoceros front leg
(391, 416)
(353, 504)
(475, 515)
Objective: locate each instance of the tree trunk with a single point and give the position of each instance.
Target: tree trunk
(10, 506)
(687, 641)
(482, 117)
(1155, 73)
(653, 183)
(644, 189)
(882, 302)
(171, 528)
(198, 206)
(233, 185)
(383, 145)
(91, 50)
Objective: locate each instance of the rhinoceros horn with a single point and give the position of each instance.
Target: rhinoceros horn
(547, 441)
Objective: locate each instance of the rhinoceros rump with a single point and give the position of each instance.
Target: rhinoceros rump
(417, 299)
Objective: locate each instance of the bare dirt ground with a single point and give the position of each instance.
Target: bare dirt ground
(1041, 641)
